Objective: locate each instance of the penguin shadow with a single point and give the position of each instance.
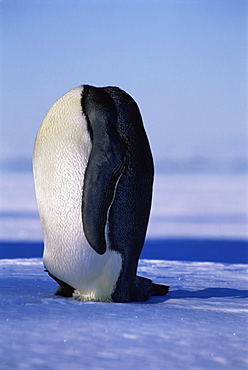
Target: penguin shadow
(201, 294)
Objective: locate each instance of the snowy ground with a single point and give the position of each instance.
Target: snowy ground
(200, 324)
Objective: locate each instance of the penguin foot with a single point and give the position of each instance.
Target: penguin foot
(63, 289)
(159, 289)
(141, 291)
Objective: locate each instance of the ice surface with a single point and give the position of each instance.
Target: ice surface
(208, 206)
(200, 324)
(183, 206)
(18, 209)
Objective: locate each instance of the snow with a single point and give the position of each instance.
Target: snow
(200, 324)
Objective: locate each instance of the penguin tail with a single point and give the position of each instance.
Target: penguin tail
(159, 289)
(145, 288)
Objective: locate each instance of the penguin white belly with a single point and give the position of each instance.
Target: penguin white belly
(61, 154)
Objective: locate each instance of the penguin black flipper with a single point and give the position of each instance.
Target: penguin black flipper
(105, 166)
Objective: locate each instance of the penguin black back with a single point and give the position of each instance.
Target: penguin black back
(125, 190)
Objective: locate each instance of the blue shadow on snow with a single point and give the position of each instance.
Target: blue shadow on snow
(200, 294)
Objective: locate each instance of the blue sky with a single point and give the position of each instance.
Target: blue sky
(184, 62)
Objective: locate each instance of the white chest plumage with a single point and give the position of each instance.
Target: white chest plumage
(61, 154)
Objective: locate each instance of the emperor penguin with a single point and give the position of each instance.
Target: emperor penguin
(93, 174)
